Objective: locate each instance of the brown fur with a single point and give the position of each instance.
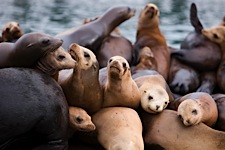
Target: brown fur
(149, 34)
(166, 130)
(119, 128)
(217, 35)
(11, 32)
(80, 84)
(119, 87)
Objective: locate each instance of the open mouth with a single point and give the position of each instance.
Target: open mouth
(74, 55)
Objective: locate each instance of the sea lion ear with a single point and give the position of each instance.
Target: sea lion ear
(31, 44)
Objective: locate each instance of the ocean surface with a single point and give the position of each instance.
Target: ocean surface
(55, 16)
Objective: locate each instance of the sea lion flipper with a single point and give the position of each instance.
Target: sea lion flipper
(194, 18)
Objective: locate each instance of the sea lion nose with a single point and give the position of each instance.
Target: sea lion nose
(157, 107)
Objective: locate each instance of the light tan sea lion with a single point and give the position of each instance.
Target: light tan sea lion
(155, 93)
(197, 107)
(11, 32)
(149, 34)
(119, 128)
(81, 85)
(118, 86)
(166, 130)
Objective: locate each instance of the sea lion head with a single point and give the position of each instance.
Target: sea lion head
(154, 101)
(80, 120)
(189, 112)
(215, 34)
(55, 61)
(11, 32)
(149, 16)
(118, 67)
(85, 58)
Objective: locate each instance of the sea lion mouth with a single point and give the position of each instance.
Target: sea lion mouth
(74, 55)
(114, 69)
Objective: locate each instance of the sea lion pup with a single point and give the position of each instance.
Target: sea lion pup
(79, 120)
(197, 107)
(11, 32)
(90, 35)
(196, 50)
(33, 111)
(148, 34)
(54, 61)
(183, 79)
(119, 89)
(154, 91)
(80, 84)
(27, 49)
(217, 35)
(119, 128)
(220, 102)
(166, 130)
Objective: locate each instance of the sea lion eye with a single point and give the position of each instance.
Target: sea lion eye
(181, 118)
(86, 54)
(194, 112)
(110, 60)
(45, 41)
(150, 97)
(166, 103)
(61, 57)
(79, 119)
(215, 36)
(7, 29)
(124, 64)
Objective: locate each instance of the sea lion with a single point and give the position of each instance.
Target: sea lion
(155, 93)
(80, 120)
(182, 79)
(119, 128)
(197, 107)
(146, 60)
(220, 102)
(217, 35)
(54, 61)
(148, 34)
(11, 32)
(114, 45)
(33, 110)
(91, 35)
(166, 130)
(119, 89)
(27, 49)
(196, 50)
(80, 84)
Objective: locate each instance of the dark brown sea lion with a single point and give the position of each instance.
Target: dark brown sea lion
(149, 34)
(196, 50)
(33, 111)
(220, 101)
(166, 130)
(91, 35)
(114, 45)
(27, 49)
(11, 32)
(183, 79)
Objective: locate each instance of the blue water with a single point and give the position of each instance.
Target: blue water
(54, 16)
